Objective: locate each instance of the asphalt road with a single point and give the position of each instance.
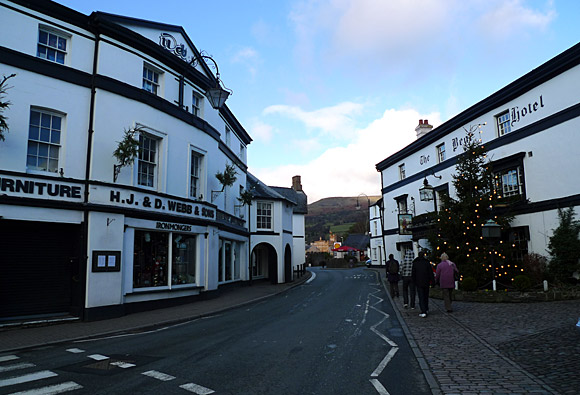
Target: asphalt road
(336, 334)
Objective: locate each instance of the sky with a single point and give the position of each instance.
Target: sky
(329, 88)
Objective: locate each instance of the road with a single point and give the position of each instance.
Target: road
(336, 334)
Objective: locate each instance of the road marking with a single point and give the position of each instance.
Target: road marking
(98, 357)
(196, 389)
(123, 365)
(7, 358)
(379, 387)
(311, 278)
(385, 361)
(75, 350)
(17, 366)
(44, 374)
(52, 390)
(158, 375)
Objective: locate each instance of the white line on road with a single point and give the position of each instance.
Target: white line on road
(52, 390)
(158, 375)
(6, 358)
(384, 362)
(196, 389)
(123, 365)
(311, 278)
(43, 374)
(379, 387)
(98, 357)
(17, 366)
(75, 350)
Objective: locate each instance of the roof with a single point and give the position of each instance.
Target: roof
(262, 191)
(358, 241)
(297, 197)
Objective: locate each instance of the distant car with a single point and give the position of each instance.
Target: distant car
(368, 262)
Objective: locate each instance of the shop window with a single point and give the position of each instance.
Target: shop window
(503, 123)
(402, 171)
(263, 216)
(184, 259)
(150, 79)
(441, 153)
(196, 105)
(52, 46)
(195, 174)
(147, 166)
(44, 140)
(150, 259)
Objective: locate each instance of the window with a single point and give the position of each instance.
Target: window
(150, 80)
(196, 104)
(150, 259)
(376, 228)
(402, 204)
(509, 182)
(440, 153)
(402, 171)
(264, 215)
(184, 259)
(51, 46)
(242, 153)
(228, 136)
(44, 135)
(518, 237)
(440, 194)
(195, 172)
(147, 160)
(229, 261)
(503, 123)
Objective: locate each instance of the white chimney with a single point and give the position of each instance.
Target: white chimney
(423, 128)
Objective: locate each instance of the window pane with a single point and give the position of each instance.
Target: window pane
(52, 40)
(42, 163)
(43, 150)
(42, 37)
(45, 120)
(55, 137)
(184, 259)
(31, 161)
(150, 259)
(34, 118)
(51, 54)
(41, 52)
(53, 152)
(52, 165)
(60, 57)
(45, 135)
(32, 148)
(61, 44)
(33, 133)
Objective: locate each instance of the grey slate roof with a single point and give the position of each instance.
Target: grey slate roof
(297, 197)
(262, 191)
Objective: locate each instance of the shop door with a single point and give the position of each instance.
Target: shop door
(37, 276)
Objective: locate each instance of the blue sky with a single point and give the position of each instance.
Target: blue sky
(329, 88)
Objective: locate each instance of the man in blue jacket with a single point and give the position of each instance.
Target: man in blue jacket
(422, 275)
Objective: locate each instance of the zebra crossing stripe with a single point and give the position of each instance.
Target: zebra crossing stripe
(75, 350)
(52, 389)
(196, 389)
(98, 357)
(123, 365)
(43, 374)
(158, 375)
(6, 358)
(17, 366)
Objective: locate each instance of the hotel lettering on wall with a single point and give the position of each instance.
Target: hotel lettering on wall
(517, 113)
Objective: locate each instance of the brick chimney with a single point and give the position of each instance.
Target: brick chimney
(423, 128)
(296, 185)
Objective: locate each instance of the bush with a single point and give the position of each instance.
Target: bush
(535, 266)
(522, 283)
(469, 284)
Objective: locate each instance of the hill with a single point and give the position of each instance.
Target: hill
(336, 214)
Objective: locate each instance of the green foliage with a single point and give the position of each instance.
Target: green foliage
(128, 148)
(564, 246)
(227, 177)
(457, 229)
(4, 105)
(522, 283)
(468, 284)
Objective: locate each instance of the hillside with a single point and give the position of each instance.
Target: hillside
(337, 214)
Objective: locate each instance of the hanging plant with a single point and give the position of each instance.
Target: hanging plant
(227, 177)
(246, 197)
(127, 150)
(4, 105)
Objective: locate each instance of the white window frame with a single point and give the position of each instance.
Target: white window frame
(146, 79)
(503, 123)
(159, 158)
(509, 188)
(441, 153)
(50, 144)
(194, 151)
(402, 171)
(197, 104)
(228, 135)
(59, 36)
(260, 218)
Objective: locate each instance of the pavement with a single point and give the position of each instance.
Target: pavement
(479, 348)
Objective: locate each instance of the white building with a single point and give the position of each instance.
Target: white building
(77, 237)
(531, 133)
(377, 251)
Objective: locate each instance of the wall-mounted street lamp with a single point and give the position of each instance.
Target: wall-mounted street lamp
(358, 204)
(426, 192)
(217, 95)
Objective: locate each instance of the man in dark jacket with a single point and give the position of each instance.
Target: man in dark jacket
(422, 275)
(392, 267)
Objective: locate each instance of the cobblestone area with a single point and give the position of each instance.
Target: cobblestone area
(484, 348)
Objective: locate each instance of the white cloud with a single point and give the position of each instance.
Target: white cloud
(350, 170)
(248, 57)
(261, 131)
(507, 18)
(336, 121)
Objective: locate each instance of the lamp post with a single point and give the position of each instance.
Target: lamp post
(217, 95)
(491, 232)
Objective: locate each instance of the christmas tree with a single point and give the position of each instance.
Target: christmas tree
(458, 226)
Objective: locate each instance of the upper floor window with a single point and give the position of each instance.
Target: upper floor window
(402, 204)
(195, 172)
(51, 46)
(150, 80)
(147, 167)
(441, 153)
(242, 152)
(440, 194)
(402, 171)
(228, 136)
(196, 104)
(503, 123)
(509, 182)
(264, 216)
(44, 136)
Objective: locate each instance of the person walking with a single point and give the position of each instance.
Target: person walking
(422, 276)
(392, 268)
(408, 284)
(445, 276)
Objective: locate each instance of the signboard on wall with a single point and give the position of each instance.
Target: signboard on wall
(405, 221)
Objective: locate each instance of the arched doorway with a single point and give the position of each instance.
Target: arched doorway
(265, 262)
(288, 264)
